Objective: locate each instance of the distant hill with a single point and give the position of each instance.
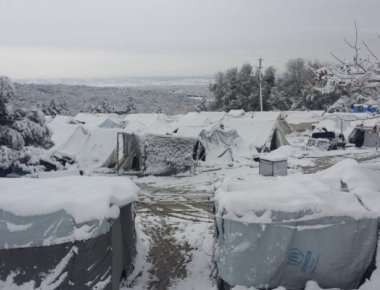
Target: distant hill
(170, 99)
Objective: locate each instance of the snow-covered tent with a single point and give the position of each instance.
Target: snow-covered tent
(285, 231)
(262, 130)
(265, 131)
(61, 128)
(98, 120)
(66, 233)
(155, 154)
(221, 144)
(90, 148)
(247, 133)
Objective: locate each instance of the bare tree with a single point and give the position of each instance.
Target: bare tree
(338, 59)
(355, 46)
(370, 51)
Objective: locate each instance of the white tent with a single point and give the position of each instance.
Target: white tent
(90, 148)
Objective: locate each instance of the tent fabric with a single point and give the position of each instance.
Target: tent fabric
(156, 154)
(220, 143)
(364, 136)
(91, 148)
(99, 262)
(336, 252)
(47, 229)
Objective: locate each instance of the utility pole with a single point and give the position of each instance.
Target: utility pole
(260, 83)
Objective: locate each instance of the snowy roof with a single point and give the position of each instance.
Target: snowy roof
(251, 198)
(255, 129)
(84, 198)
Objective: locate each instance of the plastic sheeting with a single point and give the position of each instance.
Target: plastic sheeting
(335, 252)
(45, 230)
(95, 263)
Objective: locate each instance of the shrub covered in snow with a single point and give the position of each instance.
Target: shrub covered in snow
(20, 129)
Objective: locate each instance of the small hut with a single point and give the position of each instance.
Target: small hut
(73, 233)
(273, 166)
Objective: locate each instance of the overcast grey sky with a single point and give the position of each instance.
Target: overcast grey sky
(117, 38)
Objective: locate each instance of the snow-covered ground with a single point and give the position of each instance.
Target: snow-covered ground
(175, 219)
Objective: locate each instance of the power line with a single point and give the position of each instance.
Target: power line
(260, 83)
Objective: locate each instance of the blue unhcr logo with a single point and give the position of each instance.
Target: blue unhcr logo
(307, 262)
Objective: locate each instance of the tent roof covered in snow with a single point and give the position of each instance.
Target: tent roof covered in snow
(306, 196)
(35, 196)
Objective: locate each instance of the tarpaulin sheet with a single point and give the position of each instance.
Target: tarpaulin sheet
(96, 263)
(336, 252)
(46, 229)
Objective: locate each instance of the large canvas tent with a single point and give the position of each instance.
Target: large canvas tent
(48, 240)
(90, 148)
(293, 229)
(155, 154)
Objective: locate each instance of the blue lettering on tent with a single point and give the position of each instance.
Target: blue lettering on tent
(307, 262)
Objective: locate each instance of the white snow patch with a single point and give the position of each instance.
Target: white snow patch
(85, 198)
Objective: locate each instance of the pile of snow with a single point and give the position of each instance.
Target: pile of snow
(251, 198)
(84, 198)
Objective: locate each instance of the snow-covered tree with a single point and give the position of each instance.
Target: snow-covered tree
(55, 108)
(19, 129)
(106, 107)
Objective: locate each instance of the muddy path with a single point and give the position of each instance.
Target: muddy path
(166, 214)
